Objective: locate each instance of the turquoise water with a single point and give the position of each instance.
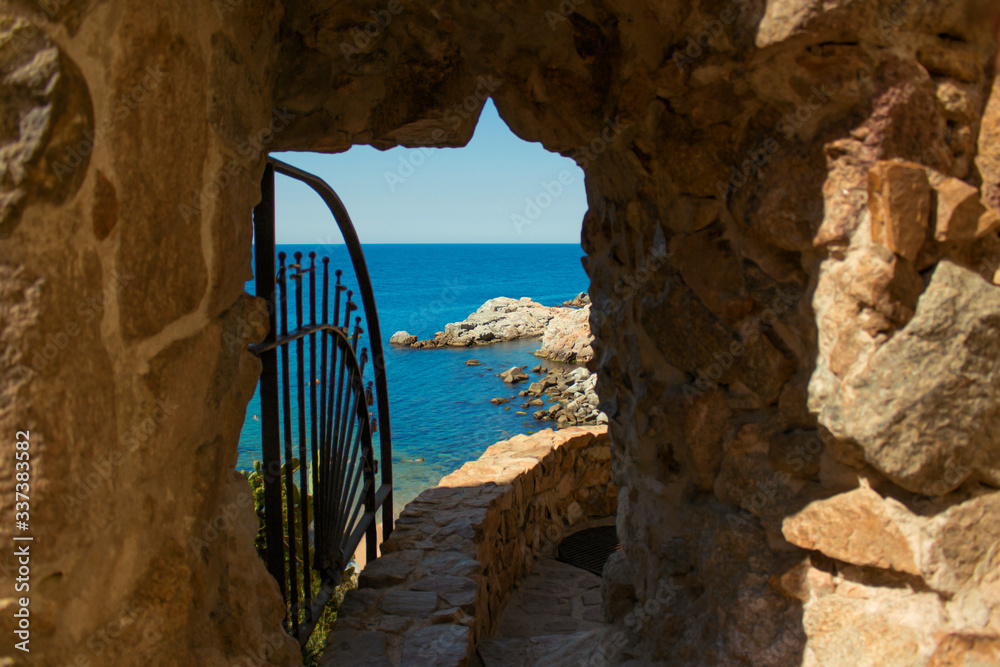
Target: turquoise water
(440, 408)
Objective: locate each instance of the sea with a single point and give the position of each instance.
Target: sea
(440, 409)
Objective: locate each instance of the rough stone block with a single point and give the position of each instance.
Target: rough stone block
(967, 650)
(456, 591)
(437, 646)
(858, 527)
(872, 626)
(388, 570)
(355, 647)
(409, 603)
(924, 405)
(961, 545)
(359, 600)
(899, 199)
(958, 211)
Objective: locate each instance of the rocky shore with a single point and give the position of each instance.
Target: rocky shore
(564, 330)
(571, 395)
(567, 337)
(566, 396)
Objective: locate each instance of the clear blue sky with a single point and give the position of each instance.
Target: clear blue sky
(475, 194)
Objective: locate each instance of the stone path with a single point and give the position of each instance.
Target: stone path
(554, 606)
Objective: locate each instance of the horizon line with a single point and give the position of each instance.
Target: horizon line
(431, 243)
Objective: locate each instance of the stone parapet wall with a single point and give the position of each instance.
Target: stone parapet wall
(458, 549)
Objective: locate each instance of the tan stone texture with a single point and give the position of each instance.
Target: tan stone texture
(899, 199)
(734, 139)
(858, 527)
(459, 549)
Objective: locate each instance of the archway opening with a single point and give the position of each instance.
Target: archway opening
(444, 231)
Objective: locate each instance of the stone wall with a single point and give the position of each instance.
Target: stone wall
(749, 303)
(458, 549)
(759, 315)
(130, 155)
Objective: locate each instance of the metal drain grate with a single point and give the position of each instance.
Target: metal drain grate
(589, 549)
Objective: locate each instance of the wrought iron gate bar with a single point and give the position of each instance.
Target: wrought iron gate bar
(353, 245)
(317, 526)
(294, 335)
(264, 271)
(293, 598)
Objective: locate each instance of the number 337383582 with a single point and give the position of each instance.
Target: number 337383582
(22, 467)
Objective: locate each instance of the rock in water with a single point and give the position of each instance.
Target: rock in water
(473, 362)
(513, 375)
(575, 394)
(567, 337)
(499, 400)
(402, 338)
(498, 319)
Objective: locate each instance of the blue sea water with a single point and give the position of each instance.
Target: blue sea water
(440, 408)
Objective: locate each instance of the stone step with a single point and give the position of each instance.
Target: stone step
(527, 651)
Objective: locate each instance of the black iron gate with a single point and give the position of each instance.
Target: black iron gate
(320, 468)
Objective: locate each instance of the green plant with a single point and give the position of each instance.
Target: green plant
(317, 640)
(313, 649)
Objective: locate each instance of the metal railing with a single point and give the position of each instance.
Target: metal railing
(314, 524)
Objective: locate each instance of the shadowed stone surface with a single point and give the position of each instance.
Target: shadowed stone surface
(436, 646)
(552, 606)
(728, 149)
(458, 549)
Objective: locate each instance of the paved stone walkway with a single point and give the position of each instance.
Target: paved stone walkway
(555, 606)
